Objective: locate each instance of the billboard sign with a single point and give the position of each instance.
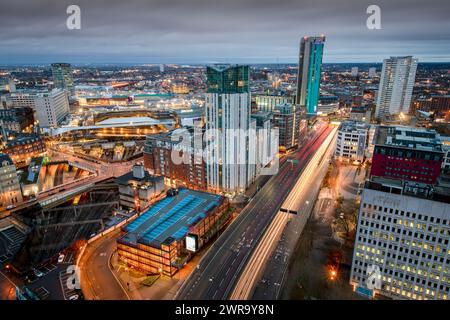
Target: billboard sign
(192, 242)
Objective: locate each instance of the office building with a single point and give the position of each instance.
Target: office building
(287, 118)
(165, 237)
(372, 72)
(351, 142)
(138, 188)
(402, 241)
(396, 85)
(227, 111)
(51, 108)
(327, 104)
(62, 77)
(354, 71)
(446, 148)
(264, 144)
(362, 113)
(7, 85)
(405, 153)
(267, 103)
(10, 193)
(308, 76)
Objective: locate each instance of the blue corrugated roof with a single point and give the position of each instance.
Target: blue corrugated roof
(171, 218)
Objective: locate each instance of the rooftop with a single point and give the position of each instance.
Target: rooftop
(352, 126)
(4, 158)
(439, 192)
(129, 177)
(128, 120)
(170, 219)
(407, 137)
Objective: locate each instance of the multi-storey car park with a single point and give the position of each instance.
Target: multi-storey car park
(165, 236)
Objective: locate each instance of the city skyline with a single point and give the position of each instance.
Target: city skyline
(235, 33)
(229, 153)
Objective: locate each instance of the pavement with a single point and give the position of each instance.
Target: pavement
(307, 271)
(218, 271)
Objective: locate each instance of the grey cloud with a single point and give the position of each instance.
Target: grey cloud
(203, 30)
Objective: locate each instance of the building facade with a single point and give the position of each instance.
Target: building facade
(190, 173)
(396, 85)
(62, 77)
(7, 85)
(138, 188)
(287, 118)
(227, 111)
(361, 114)
(405, 153)
(163, 238)
(446, 148)
(21, 147)
(51, 108)
(268, 103)
(440, 105)
(351, 142)
(17, 119)
(402, 241)
(10, 192)
(265, 142)
(327, 104)
(308, 76)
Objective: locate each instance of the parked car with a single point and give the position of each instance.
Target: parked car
(61, 258)
(38, 273)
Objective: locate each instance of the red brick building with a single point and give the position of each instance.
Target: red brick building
(438, 104)
(158, 160)
(21, 147)
(407, 154)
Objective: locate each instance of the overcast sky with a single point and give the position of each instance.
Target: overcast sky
(207, 31)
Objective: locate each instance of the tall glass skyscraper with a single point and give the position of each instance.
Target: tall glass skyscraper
(308, 77)
(62, 77)
(227, 110)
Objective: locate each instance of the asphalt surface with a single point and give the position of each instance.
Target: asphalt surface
(97, 279)
(217, 272)
(275, 273)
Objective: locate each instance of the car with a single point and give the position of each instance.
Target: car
(73, 297)
(11, 206)
(38, 273)
(61, 258)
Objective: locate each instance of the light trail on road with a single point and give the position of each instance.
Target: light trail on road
(221, 266)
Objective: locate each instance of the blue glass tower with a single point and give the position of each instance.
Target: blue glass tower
(308, 77)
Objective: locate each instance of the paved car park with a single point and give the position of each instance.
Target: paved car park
(68, 285)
